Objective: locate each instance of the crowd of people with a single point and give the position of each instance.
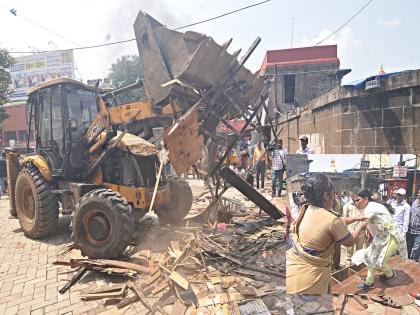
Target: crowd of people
(371, 229)
(251, 159)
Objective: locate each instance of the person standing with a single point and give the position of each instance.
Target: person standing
(402, 212)
(3, 175)
(393, 200)
(304, 149)
(278, 166)
(315, 232)
(349, 211)
(259, 159)
(386, 239)
(413, 233)
(377, 196)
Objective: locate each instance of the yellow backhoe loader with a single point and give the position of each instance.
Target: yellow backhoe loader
(85, 162)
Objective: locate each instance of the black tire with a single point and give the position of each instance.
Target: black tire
(36, 207)
(180, 201)
(102, 224)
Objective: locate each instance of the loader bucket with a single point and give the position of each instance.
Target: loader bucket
(190, 70)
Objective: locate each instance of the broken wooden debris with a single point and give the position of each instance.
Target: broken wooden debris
(110, 292)
(186, 296)
(180, 280)
(73, 280)
(226, 265)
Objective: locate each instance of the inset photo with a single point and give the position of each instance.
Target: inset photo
(355, 224)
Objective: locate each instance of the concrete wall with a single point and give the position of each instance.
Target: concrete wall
(311, 80)
(352, 120)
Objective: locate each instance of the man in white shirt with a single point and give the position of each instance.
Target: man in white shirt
(393, 200)
(304, 149)
(402, 212)
(278, 166)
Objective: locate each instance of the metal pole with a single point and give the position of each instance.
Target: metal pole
(413, 194)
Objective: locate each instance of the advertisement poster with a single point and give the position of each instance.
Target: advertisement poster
(30, 70)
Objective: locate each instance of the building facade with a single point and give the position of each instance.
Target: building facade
(14, 129)
(300, 75)
(379, 115)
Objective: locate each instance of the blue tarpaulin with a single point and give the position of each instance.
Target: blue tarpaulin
(359, 83)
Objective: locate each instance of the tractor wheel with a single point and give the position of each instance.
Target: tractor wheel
(36, 207)
(102, 224)
(180, 201)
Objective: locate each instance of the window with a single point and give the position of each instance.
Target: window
(57, 123)
(81, 105)
(44, 131)
(289, 88)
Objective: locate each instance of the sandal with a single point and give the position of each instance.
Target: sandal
(384, 278)
(364, 285)
(415, 295)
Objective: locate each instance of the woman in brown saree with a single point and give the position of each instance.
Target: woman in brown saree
(314, 233)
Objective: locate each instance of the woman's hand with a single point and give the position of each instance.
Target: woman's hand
(361, 218)
(363, 226)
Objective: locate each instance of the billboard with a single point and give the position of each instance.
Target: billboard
(30, 70)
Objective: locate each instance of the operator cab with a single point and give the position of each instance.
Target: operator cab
(61, 111)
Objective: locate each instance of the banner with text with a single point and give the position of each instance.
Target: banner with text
(30, 70)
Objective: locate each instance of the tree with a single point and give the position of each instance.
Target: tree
(127, 70)
(6, 61)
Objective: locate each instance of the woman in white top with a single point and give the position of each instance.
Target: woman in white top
(386, 239)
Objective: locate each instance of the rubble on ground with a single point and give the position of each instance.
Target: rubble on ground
(232, 268)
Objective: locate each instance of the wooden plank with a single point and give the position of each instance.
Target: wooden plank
(178, 308)
(175, 248)
(73, 280)
(104, 264)
(182, 255)
(161, 286)
(139, 291)
(153, 278)
(225, 309)
(183, 141)
(180, 280)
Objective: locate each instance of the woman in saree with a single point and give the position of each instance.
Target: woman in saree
(314, 234)
(386, 239)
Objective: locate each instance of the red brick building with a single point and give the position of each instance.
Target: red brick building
(15, 127)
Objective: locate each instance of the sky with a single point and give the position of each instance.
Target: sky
(385, 32)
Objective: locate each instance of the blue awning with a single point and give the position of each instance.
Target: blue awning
(359, 83)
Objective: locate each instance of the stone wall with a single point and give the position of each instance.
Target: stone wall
(311, 80)
(352, 120)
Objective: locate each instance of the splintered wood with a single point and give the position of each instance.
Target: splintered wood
(207, 271)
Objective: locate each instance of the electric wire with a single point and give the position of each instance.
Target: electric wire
(345, 23)
(133, 39)
(14, 12)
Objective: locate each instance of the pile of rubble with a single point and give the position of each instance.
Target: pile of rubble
(235, 268)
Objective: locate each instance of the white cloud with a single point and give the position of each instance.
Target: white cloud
(344, 39)
(390, 23)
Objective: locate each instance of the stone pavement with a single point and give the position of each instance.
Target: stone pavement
(29, 282)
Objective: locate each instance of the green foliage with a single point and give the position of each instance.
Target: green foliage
(6, 61)
(127, 70)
